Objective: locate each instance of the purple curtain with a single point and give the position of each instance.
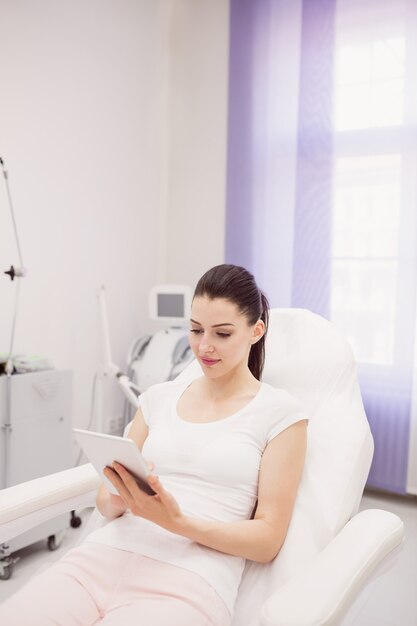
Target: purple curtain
(247, 135)
(312, 228)
(251, 208)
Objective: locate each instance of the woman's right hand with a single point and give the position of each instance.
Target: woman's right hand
(109, 504)
(112, 505)
(117, 504)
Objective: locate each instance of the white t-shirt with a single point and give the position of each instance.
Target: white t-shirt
(211, 469)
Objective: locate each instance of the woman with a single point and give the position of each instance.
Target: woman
(229, 452)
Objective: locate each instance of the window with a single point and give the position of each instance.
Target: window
(366, 209)
(373, 196)
(369, 82)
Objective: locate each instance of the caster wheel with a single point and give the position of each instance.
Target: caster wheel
(75, 521)
(54, 541)
(7, 566)
(52, 544)
(6, 571)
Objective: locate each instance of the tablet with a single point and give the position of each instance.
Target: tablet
(101, 450)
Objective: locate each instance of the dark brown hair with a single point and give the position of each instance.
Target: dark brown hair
(237, 285)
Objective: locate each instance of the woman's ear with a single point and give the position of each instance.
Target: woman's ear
(258, 331)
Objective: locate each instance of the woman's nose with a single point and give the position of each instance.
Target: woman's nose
(205, 345)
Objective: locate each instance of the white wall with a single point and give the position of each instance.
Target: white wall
(112, 128)
(198, 99)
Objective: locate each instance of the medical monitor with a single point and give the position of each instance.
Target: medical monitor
(170, 303)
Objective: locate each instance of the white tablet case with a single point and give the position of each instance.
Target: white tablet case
(103, 449)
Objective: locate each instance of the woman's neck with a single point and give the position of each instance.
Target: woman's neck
(231, 385)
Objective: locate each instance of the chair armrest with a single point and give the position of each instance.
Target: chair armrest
(31, 503)
(320, 594)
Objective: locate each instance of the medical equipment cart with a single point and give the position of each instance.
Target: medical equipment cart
(35, 440)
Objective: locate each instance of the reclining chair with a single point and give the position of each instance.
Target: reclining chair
(331, 551)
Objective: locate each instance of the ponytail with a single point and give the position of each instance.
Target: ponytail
(257, 353)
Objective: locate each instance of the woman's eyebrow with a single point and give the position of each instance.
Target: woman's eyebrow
(214, 325)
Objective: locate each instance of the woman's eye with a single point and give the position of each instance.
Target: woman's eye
(199, 331)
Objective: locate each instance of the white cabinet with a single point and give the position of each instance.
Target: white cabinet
(35, 437)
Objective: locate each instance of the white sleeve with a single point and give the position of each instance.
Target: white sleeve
(144, 406)
(286, 413)
(153, 400)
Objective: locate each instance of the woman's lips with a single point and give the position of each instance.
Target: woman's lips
(209, 362)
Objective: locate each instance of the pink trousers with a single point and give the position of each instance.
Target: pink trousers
(97, 584)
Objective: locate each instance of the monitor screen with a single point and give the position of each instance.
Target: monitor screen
(170, 305)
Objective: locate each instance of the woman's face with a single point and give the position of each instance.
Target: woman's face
(220, 335)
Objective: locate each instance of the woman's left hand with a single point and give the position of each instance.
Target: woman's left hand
(162, 508)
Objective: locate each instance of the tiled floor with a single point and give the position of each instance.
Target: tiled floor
(390, 600)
